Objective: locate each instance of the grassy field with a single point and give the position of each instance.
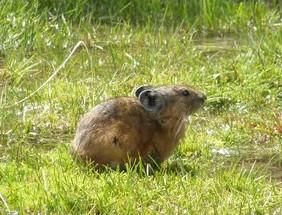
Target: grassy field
(231, 159)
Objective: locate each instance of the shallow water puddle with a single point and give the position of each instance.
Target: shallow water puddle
(217, 45)
(264, 162)
(223, 152)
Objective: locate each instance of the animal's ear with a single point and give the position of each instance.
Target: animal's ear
(140, 89)
(152, 100)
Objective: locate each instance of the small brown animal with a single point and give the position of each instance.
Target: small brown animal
(147, 127)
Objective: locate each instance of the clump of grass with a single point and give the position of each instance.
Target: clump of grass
(229, 161)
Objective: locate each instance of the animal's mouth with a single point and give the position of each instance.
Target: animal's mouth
(199, 101)
(196, 106)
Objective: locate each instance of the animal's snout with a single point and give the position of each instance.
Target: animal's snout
(202, 97)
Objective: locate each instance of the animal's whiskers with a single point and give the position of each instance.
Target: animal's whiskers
(179, 125)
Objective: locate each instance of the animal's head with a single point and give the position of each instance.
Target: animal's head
(175, 101)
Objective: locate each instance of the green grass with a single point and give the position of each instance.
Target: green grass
(230, 50)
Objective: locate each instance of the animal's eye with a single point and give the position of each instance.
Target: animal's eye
(185, 93)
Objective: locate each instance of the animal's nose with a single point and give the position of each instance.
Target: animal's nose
(202, 97)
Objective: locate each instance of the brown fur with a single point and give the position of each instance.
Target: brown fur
(121, 130)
